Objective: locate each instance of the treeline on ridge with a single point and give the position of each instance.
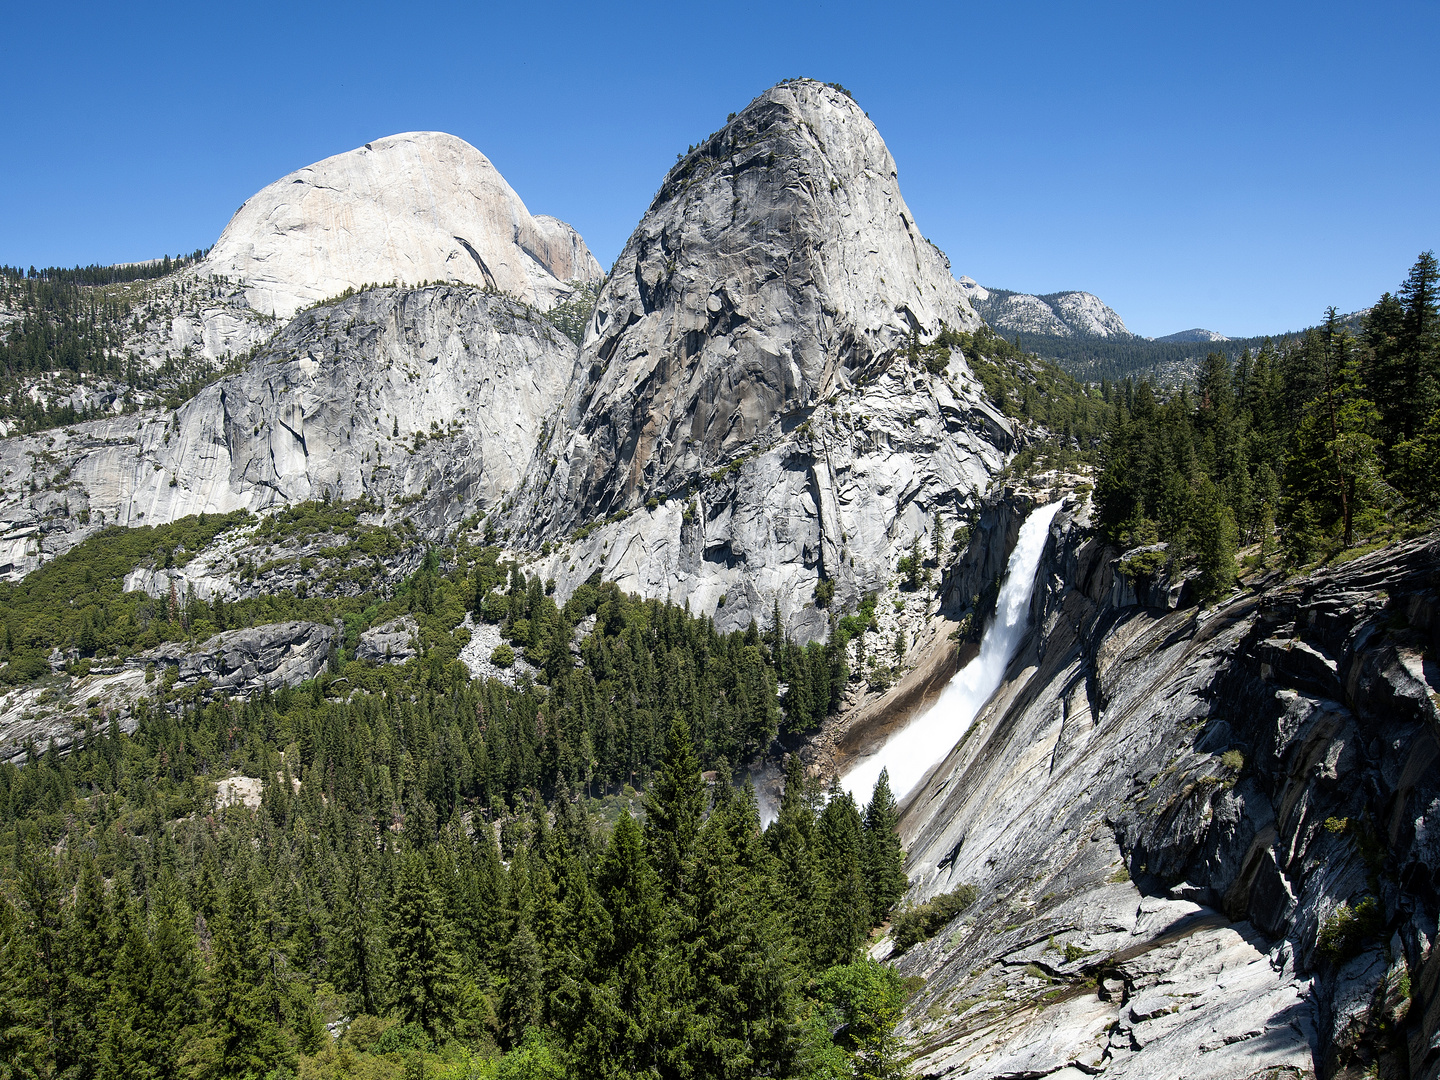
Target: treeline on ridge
(1323, 442)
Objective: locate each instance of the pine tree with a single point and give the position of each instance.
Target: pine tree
(842, 851)
(1416, 453)
(133, 1036)
(884, 857)
(359, 942)
(88, 943)
(1214, 538)
(741, 1002)
(620, 1032)
(173, 990)
(1386, 375)
(1333, 476)
(242, 1036)
(41, 957)
(425, 977)
(674, 806)
(23, 1053)
(1420, 343)
(791, 838)
(521, 963)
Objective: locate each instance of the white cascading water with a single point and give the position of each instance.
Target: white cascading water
(911, 752)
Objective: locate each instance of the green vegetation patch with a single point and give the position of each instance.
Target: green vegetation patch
(1346, 930)
(923, 921)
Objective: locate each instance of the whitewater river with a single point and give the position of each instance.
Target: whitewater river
(912, 751)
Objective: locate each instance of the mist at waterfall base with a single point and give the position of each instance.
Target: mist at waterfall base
(911, 752)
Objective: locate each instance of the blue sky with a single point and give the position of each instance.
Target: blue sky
(1232, 166)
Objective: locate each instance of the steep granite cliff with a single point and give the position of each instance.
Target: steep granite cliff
(431, 398)
(744, 395)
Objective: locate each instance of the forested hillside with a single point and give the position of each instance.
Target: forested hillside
(444, 870)
(1164, 361)
(64, 331)
(1333, 439)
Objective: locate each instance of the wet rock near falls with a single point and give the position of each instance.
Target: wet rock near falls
(1172, 818)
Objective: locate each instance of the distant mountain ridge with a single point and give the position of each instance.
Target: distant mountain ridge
(1090, 340)
(1060, 314)
(1193, 335)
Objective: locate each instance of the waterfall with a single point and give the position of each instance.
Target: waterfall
(911, 752)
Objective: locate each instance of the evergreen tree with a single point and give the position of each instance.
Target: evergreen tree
(133, 1037)
(88, 945)
(884, 857)
(1420, 343)
(243, 1037)
(1214, 537)
(172, 992)
(841, 846)
(1333, 472)
(22, 1046)
(425, 976)
(741, 1004)
(674, 806)
(522, 965)
(620, 1031)
(1416, 334)
(791, 838)
(41, 957)
(359, 940)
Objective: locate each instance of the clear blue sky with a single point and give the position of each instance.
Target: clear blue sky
(1232, 166)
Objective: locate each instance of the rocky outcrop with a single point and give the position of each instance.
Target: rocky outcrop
(1164, 810)
(419, 207)
(393, 642)
(485, 638)
(776, 264)
(838, 497)
(429, 401)
(240, 662)
(1196, 334)
(60, 711)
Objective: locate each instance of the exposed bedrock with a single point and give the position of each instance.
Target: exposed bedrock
(231, 664)
(776, 262)
(417, 207)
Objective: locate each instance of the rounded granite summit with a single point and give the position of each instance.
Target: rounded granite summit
(411, 208)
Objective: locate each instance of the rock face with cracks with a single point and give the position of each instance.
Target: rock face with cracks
(231, 664)
(430, 401)
(742, 393)
(776, 265)
(1164, 812)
